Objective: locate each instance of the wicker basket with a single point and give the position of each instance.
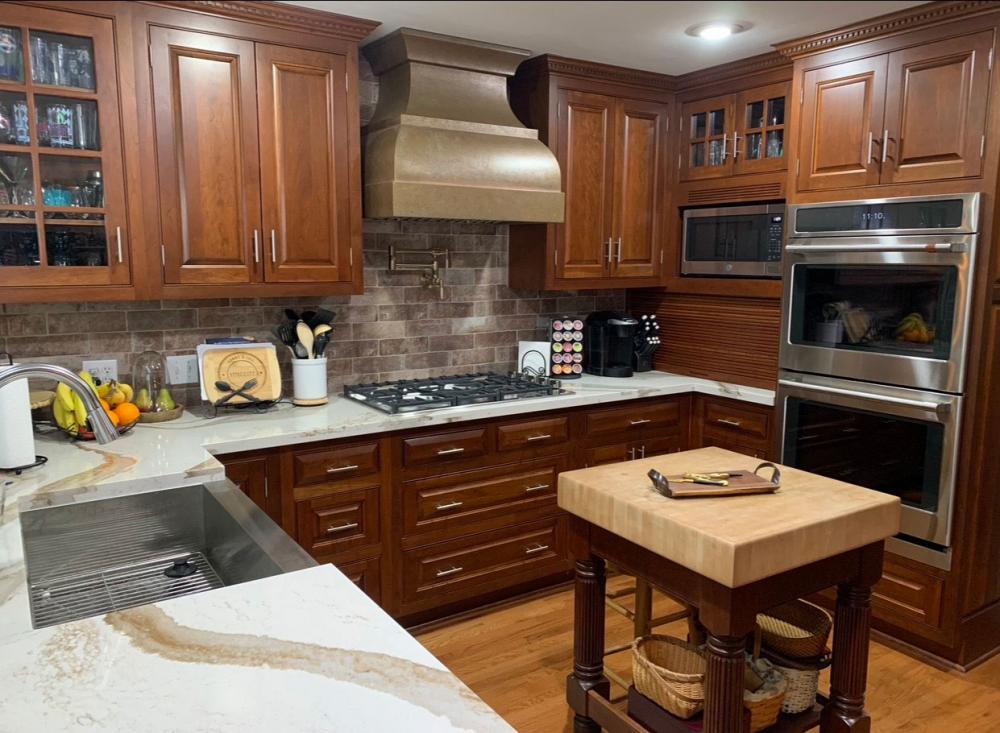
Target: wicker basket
(766, 702)
(803, 680)
(669, 672)
(797, 629)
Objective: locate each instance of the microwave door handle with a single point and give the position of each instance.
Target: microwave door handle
(873, 247)
(939, 408)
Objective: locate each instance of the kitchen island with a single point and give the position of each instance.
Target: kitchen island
(730, 557)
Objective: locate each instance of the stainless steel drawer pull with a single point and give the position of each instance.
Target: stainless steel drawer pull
(449, 571)
(256, 246)
(342, 528)
(536, 487)
(274, 249)
(341, 469)
(118, 234)
(450, 451)
(449, 505)
(535, 548)
(543, 436)
(639, 422)
(729, 421)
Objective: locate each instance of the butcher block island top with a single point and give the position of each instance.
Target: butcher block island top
(733, 540)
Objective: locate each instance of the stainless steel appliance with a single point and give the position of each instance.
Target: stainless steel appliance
(868, 266)
(875, 320)
(735, 241)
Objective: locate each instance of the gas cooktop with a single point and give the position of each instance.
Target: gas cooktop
(410, 395)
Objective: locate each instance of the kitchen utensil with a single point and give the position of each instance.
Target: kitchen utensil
(291, 315)
(318, 317)
(300, 351)
(320, 344)
(306, 338)
(307, 316)
(321, 328)
(286, 335)
(701, 484)
(237, 365)
(224, 386)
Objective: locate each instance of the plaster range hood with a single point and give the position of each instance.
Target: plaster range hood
(443, 142)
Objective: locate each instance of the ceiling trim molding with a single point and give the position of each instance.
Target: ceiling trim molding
(733, 70)
(286, 16)
(904, 20)
(606, 72)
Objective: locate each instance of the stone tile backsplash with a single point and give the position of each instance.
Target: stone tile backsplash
(396, 329)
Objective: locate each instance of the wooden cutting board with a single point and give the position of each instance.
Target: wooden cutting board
(739, 482)
(237, 366)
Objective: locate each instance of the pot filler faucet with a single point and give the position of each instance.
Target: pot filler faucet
(104, 431)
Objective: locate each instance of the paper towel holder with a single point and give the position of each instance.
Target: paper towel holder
(39, 460)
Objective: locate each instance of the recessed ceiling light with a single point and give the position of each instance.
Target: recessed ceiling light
(716, 30)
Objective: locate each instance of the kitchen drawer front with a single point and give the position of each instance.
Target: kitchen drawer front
(337, 463)
(725, 417)
(444, 448)
(365, 574)
(437, 574)
(630, 420)
(905, 595)
(632, 450)
(463, 506)
(532, 433)
(336, 522)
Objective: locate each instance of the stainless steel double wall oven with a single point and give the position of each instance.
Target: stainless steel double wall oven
(875, 324)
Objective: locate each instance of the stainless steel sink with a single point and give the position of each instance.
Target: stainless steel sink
(93, 557)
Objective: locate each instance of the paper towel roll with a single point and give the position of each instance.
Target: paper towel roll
(17, 440)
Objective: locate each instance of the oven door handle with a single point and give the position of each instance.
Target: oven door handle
(940, 408)
(901, 247)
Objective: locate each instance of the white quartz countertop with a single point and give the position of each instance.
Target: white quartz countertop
(99, 674)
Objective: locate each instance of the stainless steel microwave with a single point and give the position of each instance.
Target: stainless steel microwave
(734, 241)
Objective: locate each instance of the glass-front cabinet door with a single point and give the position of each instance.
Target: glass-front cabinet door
(707, 135)
(62, 199)
(760, 129)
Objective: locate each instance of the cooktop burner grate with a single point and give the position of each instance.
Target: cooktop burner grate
(411, 395)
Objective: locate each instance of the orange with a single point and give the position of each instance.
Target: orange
(105, 405)
(114, 418)
(127, 413)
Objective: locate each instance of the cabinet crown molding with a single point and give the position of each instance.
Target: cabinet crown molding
(605, 72)
(732, 71)
(884, 25)
(286, 16)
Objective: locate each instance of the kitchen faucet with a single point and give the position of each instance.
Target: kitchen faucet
(104, 431)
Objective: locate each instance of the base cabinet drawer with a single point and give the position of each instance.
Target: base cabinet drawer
(442, 448)
(532, 433)
(908, 594)
(630, 420)
(437, 574)
(727, 417)
(343, 520)
(335, 463)
(366, 575)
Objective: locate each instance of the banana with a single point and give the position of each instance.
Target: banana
(127, 390)
(79, 410)
(104, 390)
(89, 379)
(65, 419)
(64, 395)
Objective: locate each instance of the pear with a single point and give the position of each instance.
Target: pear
(164, 401)
(143, 401)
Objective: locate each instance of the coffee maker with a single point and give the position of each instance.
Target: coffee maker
(607, 343)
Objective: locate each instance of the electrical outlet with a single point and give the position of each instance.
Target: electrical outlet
(102, 369)
(182, 369)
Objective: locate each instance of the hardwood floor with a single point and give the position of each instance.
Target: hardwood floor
(517, 658)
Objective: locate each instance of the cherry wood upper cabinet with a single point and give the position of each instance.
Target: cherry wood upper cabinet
(205, 97)
(759, 134)
(586, 155)
(840, 132)
(640, 168)
(707, 138)
(302, 98)
(935, 111)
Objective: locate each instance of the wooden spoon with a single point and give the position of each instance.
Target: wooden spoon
(321, 329)
(306, 338)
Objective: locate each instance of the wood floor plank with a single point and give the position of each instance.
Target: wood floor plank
(517, 658)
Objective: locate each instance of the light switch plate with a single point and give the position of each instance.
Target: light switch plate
(182, 369)
(103, 369)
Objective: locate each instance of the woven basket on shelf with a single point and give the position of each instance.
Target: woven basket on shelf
(797, 629)
(766, 701)
(803, 680)
(669, 672)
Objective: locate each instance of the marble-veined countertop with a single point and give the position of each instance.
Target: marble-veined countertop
(99, 674)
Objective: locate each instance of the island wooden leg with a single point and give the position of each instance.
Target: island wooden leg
(588, 643)
(849, 674)
(724, 683)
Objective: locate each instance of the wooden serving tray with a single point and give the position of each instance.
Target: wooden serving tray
(739, 483)
(237, 366)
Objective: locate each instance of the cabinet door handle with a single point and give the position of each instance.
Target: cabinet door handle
(642, 421)
(885, 145)
(871, 140)
(631, 454)
(542, 436)
(274, 249)
(450, 451)
(256, 246)
(619, 249)
(449, 571)
(642, 451)
(729, 421)
(725, 142)
(341, 469)
(118, 235)
(536, 487)
(449, 505)
(736, 150)
(535, 548)
(342, 528)
(610, 247)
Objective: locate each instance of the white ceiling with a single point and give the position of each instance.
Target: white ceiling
(638, 35)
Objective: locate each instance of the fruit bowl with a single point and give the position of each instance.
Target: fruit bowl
(86, 433)
(162, 415)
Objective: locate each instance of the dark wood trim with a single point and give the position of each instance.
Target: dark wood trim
(884, 25)
(592, 70)
(733, 71)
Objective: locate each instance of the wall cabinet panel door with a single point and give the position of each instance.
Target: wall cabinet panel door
(936, 109)
(707, 138)
(639, 172)
(841, 125)
(302, 98)
(205, 101)
(586, 154)
(760, 139)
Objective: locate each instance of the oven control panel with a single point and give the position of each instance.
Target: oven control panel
(775, 238)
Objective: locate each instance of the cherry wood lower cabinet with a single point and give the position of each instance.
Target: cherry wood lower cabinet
(735, 425)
